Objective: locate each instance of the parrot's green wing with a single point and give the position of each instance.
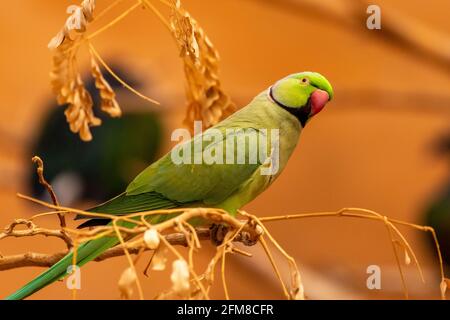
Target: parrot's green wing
(166, 185)
(125, 204)
(208, 183)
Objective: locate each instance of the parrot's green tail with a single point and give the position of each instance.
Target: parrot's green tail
(86, 252)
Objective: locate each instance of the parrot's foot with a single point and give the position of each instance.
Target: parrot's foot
(218, 233)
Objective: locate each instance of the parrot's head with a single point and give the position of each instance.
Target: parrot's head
(302, 94)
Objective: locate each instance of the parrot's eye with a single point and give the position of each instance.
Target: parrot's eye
(304, 81)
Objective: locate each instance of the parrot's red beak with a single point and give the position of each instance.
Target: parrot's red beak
(319, 99)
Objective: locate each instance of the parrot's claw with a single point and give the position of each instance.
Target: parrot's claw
(218, 233)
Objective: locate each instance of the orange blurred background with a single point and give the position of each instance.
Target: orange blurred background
(369, 149)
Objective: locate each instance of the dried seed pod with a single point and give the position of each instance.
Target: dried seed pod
(180, 277)
(126, 282)
(407, 258)
(66, 79)
(151, 238)
(259, 230)
(206, 99)
(160, 259)
(297, 292)
(444, 286)
(79, 17)
(107, 95)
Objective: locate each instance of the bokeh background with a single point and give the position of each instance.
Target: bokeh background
(379, 145)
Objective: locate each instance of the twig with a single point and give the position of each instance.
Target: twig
(149, 5)
(191, 270)
(224, 280)
(114, 21)
(372, 215)
(30, 259)
(130, 261)
(297, 291)
(33, 259)
(107, 9)
(33, 230)
(74, 266)
(42, 181)
(122, 82)
(274, 265)
(397, 260)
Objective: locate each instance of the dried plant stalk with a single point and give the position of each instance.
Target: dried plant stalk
(107, 95)
(206, 99)
(65, 77)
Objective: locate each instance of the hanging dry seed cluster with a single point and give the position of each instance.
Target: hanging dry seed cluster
(206, 99)
(66, 79)
(107, 95)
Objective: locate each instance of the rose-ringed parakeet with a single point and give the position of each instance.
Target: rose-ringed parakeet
(286, 106)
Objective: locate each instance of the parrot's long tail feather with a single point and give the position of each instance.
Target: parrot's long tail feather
(85, 252)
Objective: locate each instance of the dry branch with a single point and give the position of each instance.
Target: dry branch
(48, 187)
(33, 230)
(34, 259)
(207, 101)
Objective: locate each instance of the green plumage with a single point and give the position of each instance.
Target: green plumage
(165, 184)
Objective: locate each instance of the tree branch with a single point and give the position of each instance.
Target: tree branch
(43, 182)
(34, 259)
(32, 230)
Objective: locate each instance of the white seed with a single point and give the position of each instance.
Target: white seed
(407, 258)
(160, 259)
(151, 239)
(180, 276)
(300, 294)
(259, 230)
(126, 281)
(297, 290)
(444, 286)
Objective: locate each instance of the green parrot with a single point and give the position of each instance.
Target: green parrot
(286, 106)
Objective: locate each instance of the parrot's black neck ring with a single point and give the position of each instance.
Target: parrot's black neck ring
(301, 113)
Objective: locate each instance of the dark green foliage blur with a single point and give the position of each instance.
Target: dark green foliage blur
(120, 149)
